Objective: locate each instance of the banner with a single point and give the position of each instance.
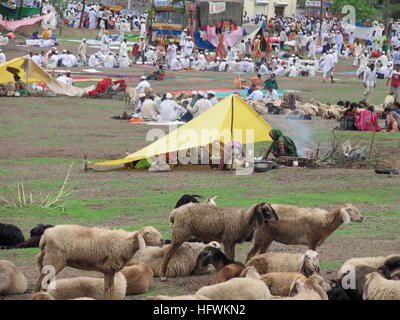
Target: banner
(229, 38)
(18, 13)
(15, 24)
(217, 7)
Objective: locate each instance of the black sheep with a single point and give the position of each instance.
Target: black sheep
(33, 241)
(10, 235)
(187, 198)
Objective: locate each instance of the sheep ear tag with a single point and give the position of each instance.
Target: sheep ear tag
(345, 216)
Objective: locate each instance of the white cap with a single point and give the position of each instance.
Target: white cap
(142, 95)
(211, 92)
(168, 96)
(202, 93)
(143, 77)
(194, 93)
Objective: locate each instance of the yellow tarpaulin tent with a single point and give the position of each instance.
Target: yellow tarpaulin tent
(230, 119)
(30, 72)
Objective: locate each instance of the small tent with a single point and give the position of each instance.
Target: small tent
(230, 119)
(30, 72)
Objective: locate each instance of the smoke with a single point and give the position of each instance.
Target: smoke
(298, 130)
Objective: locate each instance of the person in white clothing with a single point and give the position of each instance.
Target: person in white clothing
(200, 105)
(256, 95)
(312, 47)
(123, 49)
(271, 96)
(328, 66)
(263, 69)
(142, 84)
(170, 110)
(3, 56)
(124, 61)
(105, 43)
(66, 79)
(211, 97)
(369, 82)
(109, 61)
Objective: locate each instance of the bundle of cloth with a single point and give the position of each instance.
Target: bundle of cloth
(106, 83)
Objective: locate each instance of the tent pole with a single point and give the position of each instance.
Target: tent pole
(232, 134)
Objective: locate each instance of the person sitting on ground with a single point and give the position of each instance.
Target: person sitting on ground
(66, 79)
(281, 146)
(170, 110)
(393, 122)
(271, 98)
(46, 34)
(252, 88)
(20, 86)
(235, 149)
(211, 97)
(256, 95)
(150, 110)
(256, 81)
(271, 82)
(142, 84)
(289, 101)
(34, 35)
(351, 111)
(201, 105)
(367, 120)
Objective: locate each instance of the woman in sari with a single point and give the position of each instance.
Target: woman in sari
(20, 86)
(281, 145)
(367, 120)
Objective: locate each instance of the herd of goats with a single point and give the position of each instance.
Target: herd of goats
(197, 230)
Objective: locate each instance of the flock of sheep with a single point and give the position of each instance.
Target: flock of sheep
(197, 229)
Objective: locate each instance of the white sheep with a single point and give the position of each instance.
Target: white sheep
(305, 263)
(306, 226)
(252, 287)
(138, 276)
(64, 289)
(92, 249)
(184, 297)
(373, 262)
(281, 283)
(12, 280)
(378, 288)
(42, 295)
(131, 97)
(311, 289)
(184, 261)
(205, 222)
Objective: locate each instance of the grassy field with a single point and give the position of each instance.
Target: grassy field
(42, 136)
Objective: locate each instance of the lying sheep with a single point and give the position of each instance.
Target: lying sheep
(332, 113)
(373, 262)
(45, 296)
(307, 226)
(308, 108)
(226, 268)
(311, 289)
(305, 263)
(10, 235)
(378, 288)
(184, 261)
(73, 288)
(206, 222)
(33, 241)
(359, 273)
(138, 276)
(252, 287)
(281, 283)
(184, 297)
(12, 280)
(92, 249)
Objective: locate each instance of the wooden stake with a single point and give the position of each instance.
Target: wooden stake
(85, 165)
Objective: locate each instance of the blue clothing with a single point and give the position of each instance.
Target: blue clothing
(396, 58)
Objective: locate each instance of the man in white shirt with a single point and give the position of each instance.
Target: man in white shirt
(149, 109)
(170, 110)
(66, 79)
(250, 66)
(256, 95)
(142, 84)
(109, 61)
(271, 96)
(328, 66)
(122, 49)
(211, 97)
(200, 106)
(369, 82)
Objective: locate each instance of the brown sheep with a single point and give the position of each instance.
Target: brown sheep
(378, 288)
(311, 289)
(281, 283)
(92, 249)
(138, 276)
(206, 222)
(226, 268)
(307, 226)
(12, 280)
(131, 97)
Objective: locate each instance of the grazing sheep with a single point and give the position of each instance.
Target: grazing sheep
(311, 289)
(252, 287)
(226, 268)
(378, 288)
(307, 226)
(131, 97)
(138, 276)
(280, 283)
(206, 222)
(373, 262)
(305, 263)
(73, 288)
(10, 235)
(184, 297)
(184, 261)
(12, 280)
(92, 249)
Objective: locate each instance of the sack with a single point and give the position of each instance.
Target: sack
(347, 123)
(142, 164)
(159, 165)
(187, 117)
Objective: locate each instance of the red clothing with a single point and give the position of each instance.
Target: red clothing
(367, 122)
(101, 86)
(395, 79)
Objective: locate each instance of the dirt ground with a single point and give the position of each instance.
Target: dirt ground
(41, 136)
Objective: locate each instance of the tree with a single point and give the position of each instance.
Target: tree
(60, 6)
(363, 9)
